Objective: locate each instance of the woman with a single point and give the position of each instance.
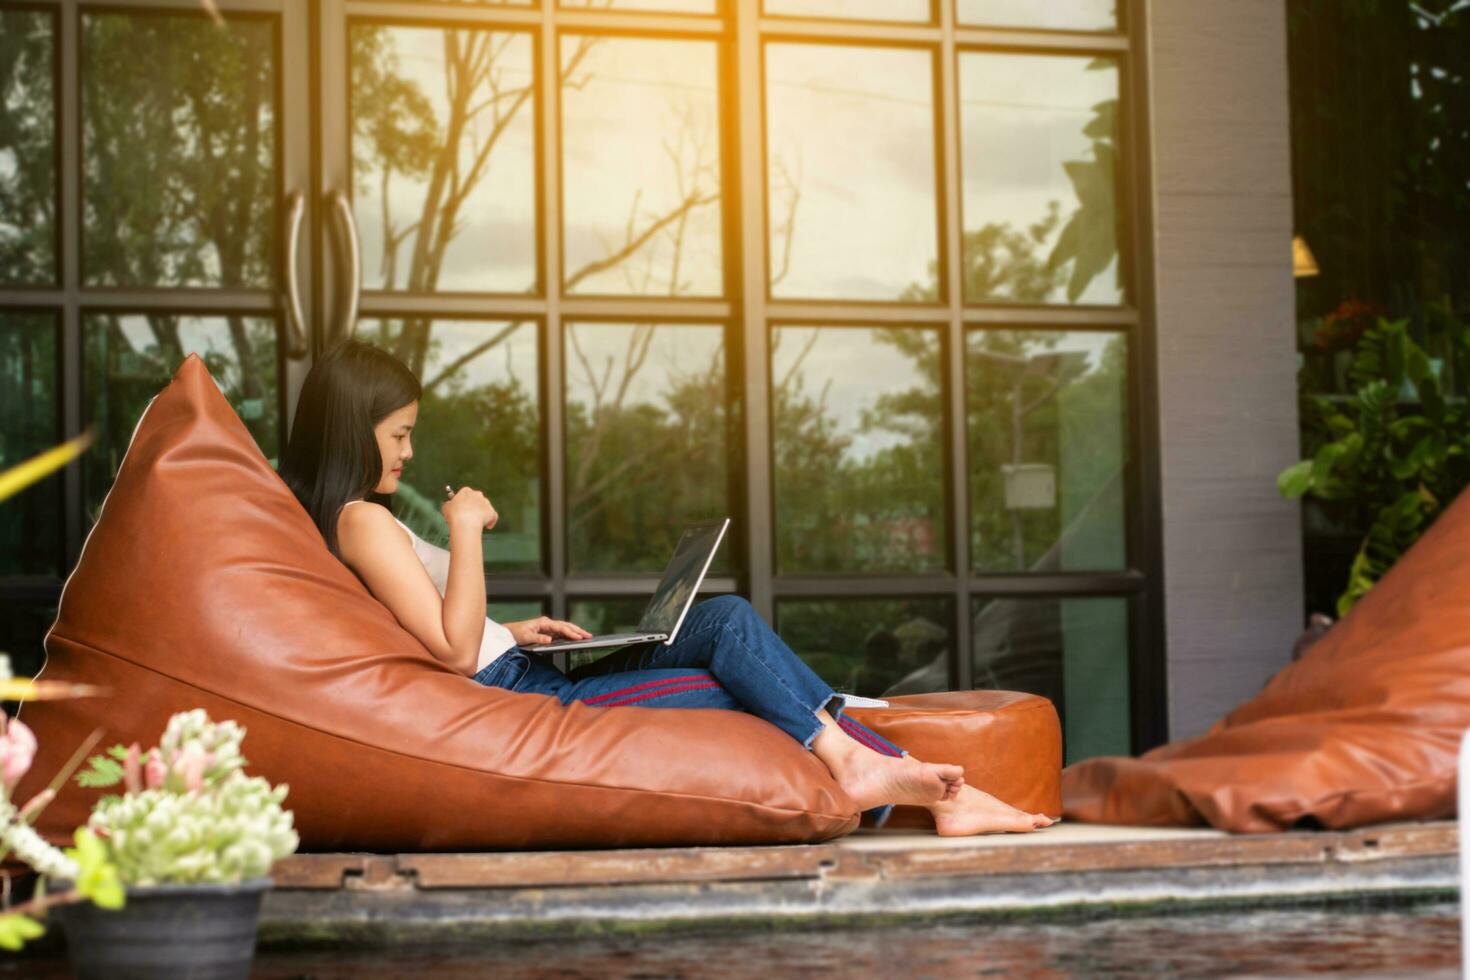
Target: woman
(349, 442)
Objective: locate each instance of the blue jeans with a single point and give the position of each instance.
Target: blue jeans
(725, 657)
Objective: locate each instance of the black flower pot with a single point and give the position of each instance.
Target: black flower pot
(203, 932)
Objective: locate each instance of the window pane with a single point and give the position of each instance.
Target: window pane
(444, 158)
(178, 159)
(30, 522)
(1039, 138)
(859, 467)
(23, 626)
(512, 610)
(1060, 15)
(850, 172)
(646, 444)
(129, 358)
(1073, 651)
(27, 146)
(905, 10)
(479, 425)
(668, 6)
(641, 166)
(872, 647)
(1047, 426)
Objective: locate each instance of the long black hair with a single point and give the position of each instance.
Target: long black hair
(333, 456)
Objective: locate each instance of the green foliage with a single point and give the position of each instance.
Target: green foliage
(15, 929)
(1397, 449)
(97, 877)
(27, 134)
(102, 771)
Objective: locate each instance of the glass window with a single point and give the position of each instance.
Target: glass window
(1039, 140)
(898, 10)
(179, 182)
(646, 448)
(27, 147)
(1047, 427)
(23, 627)
(129, 358)
(665, 6)
(444, 158)
(872, 647)
(1073, 651)
(641, 166)
(514, 610)
(479, 425)
(859, 465)
(850, 173)
(1059, 15)
(30, 523)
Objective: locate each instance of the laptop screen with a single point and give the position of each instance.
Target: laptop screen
(681, 578)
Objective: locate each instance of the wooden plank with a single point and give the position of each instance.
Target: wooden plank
(1257, 851)
(641, 866)
(316, 871)
(852, 860)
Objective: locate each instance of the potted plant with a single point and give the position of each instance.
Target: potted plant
(85, 868)
(193, 840)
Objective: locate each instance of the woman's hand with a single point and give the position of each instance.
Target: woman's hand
(544, 629)
(471, 508)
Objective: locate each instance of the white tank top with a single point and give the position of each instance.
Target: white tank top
(496, 638)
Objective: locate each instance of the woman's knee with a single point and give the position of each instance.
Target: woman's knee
(728, 608)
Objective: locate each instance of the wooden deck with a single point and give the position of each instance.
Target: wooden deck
(1067, 869)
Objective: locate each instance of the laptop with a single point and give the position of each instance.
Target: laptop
(673, 597)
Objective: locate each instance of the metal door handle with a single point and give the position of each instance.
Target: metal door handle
(295, 322)
(347, 228)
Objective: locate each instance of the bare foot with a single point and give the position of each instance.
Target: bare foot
(875, 780)
(973, 811)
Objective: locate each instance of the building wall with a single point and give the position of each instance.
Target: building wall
(1226, 354)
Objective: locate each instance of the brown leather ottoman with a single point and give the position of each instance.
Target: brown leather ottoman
(1009, 743)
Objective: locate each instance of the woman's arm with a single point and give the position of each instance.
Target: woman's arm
(375, 547)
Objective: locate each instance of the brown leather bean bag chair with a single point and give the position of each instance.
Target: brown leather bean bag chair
(205, 584)
(1364, 728)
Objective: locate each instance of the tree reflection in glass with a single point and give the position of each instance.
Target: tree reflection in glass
(128, 358)
(859, 468)
(479, 426)
(646, 445)
(1047, 430)
(1039, 144)
(872, 647)
(30, 523)
(443, 157)
(849, 171)
(179, 183)
(1073, 652)
(27, 147)
(641, 166)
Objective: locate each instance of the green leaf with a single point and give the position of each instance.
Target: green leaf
(100, 771)
(1295, 480)
(97, 877)
(15, 929)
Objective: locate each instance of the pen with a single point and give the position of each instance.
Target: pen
(448, 491)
